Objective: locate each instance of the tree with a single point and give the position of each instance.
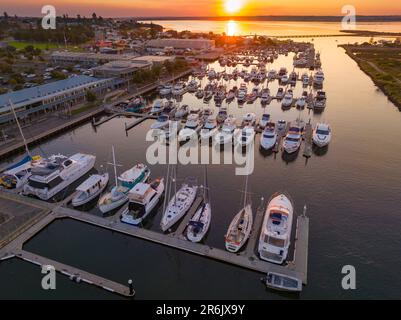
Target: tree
(94, 16)
(5, 15)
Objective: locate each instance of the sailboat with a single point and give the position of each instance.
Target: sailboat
(123, 184)
(200, 222)
(179, 204)
(16, 175)
(240, 227)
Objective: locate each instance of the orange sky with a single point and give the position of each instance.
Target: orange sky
(120, 8)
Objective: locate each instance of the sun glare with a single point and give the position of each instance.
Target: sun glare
(231, 28)
(233, 6)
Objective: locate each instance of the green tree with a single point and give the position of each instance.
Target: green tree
(90, 96)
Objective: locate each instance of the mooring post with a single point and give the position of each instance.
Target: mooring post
(131, 287)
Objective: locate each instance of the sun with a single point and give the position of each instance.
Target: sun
(233, 6)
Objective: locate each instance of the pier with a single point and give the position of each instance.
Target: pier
(308, 140)
(246, 259)
(141, 118)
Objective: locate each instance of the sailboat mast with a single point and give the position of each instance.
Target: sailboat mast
(114, 165)
(19, 127)
(167, 192)
(246, 190)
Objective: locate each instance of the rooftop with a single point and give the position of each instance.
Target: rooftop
(24, 95)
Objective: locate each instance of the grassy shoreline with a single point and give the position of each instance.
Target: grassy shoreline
(379, 66)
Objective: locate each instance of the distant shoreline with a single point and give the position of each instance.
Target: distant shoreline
(390, 18)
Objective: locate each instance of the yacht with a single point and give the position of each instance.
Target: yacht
(199, 223)
(193, 86)
(318, 78)
(321, 135)
(319, 102)
(161, 122)
(282, 282)
(90, 189)
(192, 127)
(275, 235)
(209, 128)
(249, 119)
(230, 95)
(16, 175)
(56, 173)
(280, 93)
(123, 184)
(165, 90)
(182, 111)
(264, 120)
(288, 99)
(142, 200)
(178, 89)
(240, 227)
(271, 74)
(170, 131)
(246, 137)
(301, 102)
(281, 125)
(268, 137)
(293, 139)
(228, 132)
(200, 93)
(158, 107)
(208, 95)
(178, 206)
(221, 115)
(265, 96)
(284, 79)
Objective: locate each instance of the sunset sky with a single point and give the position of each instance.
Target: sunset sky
(124, 8)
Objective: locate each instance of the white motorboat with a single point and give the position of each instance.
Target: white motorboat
(161, 122)
(56, 173)
(123, 184)
(265, 97)
(268, 137)
(321, 134)
(246, 136)
(288, 99)
(178, 206)
(90, 189)
(264, 120)
(318, 78)
(249, 119)
(228, 132)
(178, 89)
(271, 74)
(191, 129)
(301, 102)
(281, 125)
(182, 111)
(165, 90)
(275, 235)
(319, 102)
(142, 200)
(209, 128)
(292, 141)
(200, 93)
(280, 93)
(222, 115)
(16, 175)
(284, 79)
(192, 86)
(158, 107)
(305, 79)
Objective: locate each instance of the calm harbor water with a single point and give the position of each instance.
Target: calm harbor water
(352, 191)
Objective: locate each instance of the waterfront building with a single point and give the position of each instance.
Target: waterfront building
(121, 69)
(58, 95)
(156, 45)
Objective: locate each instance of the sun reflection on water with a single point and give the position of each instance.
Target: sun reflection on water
(231, 28)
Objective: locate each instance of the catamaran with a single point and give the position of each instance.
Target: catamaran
(275, 235)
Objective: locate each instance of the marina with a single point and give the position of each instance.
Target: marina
(294, 106)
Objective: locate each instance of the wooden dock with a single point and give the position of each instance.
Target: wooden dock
(308, 140)
(141, 119)
(104, 120)
(75, 274)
